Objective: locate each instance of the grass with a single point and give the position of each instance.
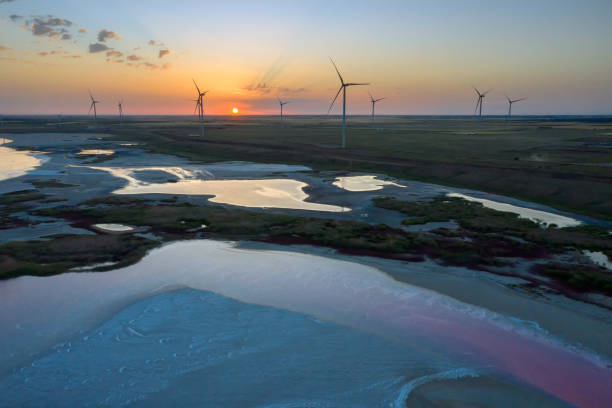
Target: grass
(477, 220)
(20, 197)
(540, 159)
(50, 184)
(579, 278)
(61, 253)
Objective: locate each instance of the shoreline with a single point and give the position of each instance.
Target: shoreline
(574, 321)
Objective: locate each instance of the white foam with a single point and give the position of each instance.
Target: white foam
(400, 401)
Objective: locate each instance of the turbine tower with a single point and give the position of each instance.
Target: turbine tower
(200, 106)
(374, 103)
(281, 103)
(93, 106)
(510, 102)
(479, 101)
(120, 106)
(343, 86)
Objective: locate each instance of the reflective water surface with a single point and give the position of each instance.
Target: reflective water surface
(261, 193)
(362, 183)
(121, 353)
(103, 152)
(15, 163)
(540, 217)
(114, 227)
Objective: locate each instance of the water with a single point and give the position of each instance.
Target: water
(599, 258)
(114, 227)
(362, 183)
(326, 333)
(100, 152)
(260, 193)
(15, 163)
(540, 217)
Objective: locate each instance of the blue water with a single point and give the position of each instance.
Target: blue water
(225, 353)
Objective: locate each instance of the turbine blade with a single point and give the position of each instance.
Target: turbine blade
(379, 99)
(196, 85)
(487, 92)
(477, 91)
(357, 83)
(518, 100)
(338, 72)
(335, 97)
(371, 98)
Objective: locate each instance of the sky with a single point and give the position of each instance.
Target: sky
(423, 57)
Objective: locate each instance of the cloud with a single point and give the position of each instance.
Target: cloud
(118, 61)
(54, 52)
(163, 53)
(15, 17)
(133, 57)
(97, 47)
(72, 56)
(6, 1)
(152, 42)
(82, 30)
(264, 84)
(103, 35)
(114, 54)
(5, 48)
(66, 36)
(49, 26)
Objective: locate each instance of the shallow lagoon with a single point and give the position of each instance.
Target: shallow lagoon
(362, 183)
(366, 331)
(259, 193)
(15, 163)
(538, 216)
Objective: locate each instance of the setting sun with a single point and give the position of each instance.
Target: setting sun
(235, 111)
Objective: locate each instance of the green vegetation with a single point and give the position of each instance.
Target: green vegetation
(49, 184)
(477, 220)
(20, 197)
(552, 161)
(579, 278)
(63, 252)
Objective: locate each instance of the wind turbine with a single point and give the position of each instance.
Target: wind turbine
(281, 103)
(343, 86)
(479, 101)
(93, 106)
(374, 103)
(200, 104)
(120, 106)
(510, 102)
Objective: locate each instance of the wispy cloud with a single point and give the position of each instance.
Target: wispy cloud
(97, 47)
(114, 54)
(6, 1)
(265, 84)
(5, 48)
(15, 17)
(82, 30)
(104, 35)
(163, 53)
(152, 42)
(133, 57)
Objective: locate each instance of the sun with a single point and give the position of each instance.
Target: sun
(235, 110)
